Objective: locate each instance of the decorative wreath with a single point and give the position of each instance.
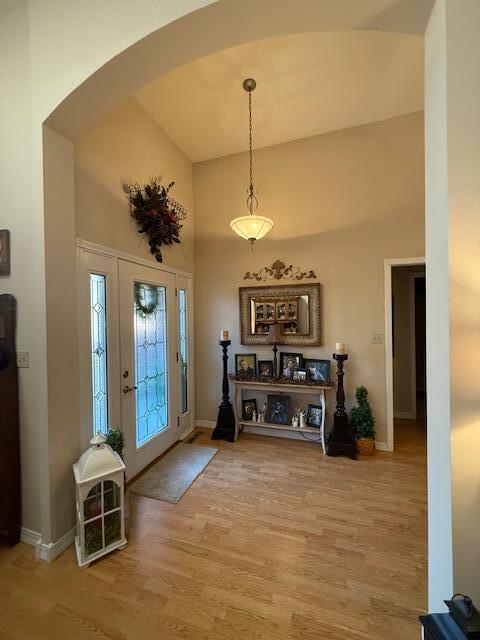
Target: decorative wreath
(158, 215)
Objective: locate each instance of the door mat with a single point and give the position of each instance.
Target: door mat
(170, 477)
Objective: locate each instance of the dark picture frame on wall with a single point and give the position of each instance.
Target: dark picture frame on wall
(278, 409)
(245, 364)
(289, 362)
(4, 252)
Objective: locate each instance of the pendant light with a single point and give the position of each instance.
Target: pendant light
(251, 227)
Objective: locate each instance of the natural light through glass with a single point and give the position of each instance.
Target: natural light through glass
(150, 361)
(182, 304)
(98, 326)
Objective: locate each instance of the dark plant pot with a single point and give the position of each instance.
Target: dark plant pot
(365, 446)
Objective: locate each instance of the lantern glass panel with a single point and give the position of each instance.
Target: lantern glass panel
(93, 536)
(111, 495)
(92, 507)
(113, 528)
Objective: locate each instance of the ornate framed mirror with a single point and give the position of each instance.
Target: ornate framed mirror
(290, 312)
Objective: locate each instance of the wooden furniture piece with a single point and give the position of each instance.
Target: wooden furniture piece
(441, 626)
(225, 427)
(341, 439)
(10, 496)
(242, 386)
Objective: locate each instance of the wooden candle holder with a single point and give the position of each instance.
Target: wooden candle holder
(341, 441)
(225, 427)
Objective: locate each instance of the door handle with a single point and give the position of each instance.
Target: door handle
(127, 389)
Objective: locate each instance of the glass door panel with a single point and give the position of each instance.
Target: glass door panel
(151, 370)
(183, 328)
(98, 329)
(149, 381)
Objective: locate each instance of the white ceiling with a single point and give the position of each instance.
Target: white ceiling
(307, 84)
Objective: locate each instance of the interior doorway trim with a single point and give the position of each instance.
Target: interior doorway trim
(389, 263)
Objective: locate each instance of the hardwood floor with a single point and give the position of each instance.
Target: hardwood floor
(272, 542)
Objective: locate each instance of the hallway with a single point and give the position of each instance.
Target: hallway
(272, 542)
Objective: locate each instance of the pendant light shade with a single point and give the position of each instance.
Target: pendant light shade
(252, 226)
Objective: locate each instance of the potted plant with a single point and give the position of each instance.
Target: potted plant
(116, 440)
(363, 423)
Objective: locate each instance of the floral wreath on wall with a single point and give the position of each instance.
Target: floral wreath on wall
(158, 215)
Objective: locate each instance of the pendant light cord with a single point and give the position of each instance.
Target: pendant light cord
(252, 202)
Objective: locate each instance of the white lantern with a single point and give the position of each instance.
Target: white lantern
(99, 478)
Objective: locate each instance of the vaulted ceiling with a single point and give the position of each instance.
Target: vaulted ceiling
(307, 84)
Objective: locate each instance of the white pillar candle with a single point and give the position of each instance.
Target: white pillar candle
(224, 335)
(340, 348)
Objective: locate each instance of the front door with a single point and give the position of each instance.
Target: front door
(150, 385)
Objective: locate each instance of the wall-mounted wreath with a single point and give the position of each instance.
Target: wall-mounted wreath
(157, 214)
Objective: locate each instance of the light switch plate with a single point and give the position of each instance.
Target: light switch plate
(23, 359)
(378, 338)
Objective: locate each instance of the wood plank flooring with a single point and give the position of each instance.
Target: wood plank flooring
(273, 542)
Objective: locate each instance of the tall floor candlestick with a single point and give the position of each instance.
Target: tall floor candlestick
(225, 427)
(341, 438)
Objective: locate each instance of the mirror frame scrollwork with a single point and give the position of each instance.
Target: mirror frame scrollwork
(313, 338)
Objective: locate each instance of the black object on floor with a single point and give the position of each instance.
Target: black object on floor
(441, 626)
(225, 427)
(341, 441)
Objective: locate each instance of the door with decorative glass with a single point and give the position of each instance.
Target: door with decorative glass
(150, 389)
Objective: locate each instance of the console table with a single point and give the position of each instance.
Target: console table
(242, 386)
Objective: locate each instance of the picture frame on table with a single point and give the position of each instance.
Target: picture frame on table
(278, 410)
(248, 407)
(265, 368)
(314, 416)
(317, 369)
(245, 364)
(300, 375)
(289, 362)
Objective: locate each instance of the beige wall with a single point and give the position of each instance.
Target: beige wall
(341, 203)
(129, 146)
(62, 328)
(453, 298)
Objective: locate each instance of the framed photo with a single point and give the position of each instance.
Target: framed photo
(4, 252)
(265, 368)
(246, 364)
(300, 375)
(278, 409)
(289, 362)
(317, 369)
(314, 416)
(248, 407)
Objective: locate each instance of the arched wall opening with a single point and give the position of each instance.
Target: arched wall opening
(99, 88)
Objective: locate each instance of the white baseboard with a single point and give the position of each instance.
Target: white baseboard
(208, 424)
(381, 446)
(28, 536)
(404, 415)
(47, 552)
